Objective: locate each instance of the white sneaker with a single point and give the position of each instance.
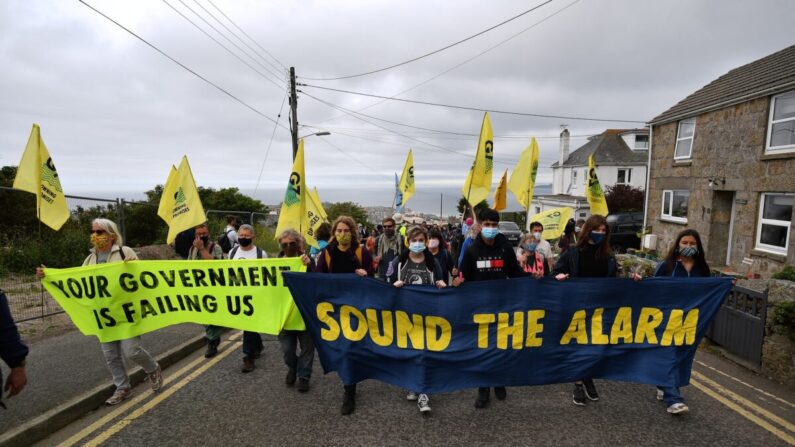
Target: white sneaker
(118, 397)
(660, 394)
(678, 408)
(411, 395)
(156, 379)
(422, 403)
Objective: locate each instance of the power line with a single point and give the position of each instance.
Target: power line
(454, 136)
(432, 52)
(219, 88)
(268, 150)
(476, 109)
(247, 35)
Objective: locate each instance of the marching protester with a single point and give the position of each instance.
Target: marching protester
(388, 246)
(489, 256)
(417, 266)
(437, 246)
(109, 247)
(229, 237)
(298, 366)
(542, 246)
(203, 249)
(344, 254)
(183, 242)
(568, 238)
(252, 341)
(529, 257)
(590, 258)
(13, 352)
(472, 234)
(322, 235)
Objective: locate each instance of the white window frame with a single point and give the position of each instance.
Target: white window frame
(692, 139)
(779, 223)
(642, 148)
(627, 176)
(670, 217)
(574, 178)
(777, 149)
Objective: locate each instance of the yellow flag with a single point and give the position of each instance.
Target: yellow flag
(554, 221)
(314, 215)
(186, 207)
(523, 177)
(318, 203)
(500, 195)
(293, 213)
(478, 183)
(167, 198)
(36, 173)
(593, 191)
(406, 183)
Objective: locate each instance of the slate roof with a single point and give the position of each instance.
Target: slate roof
(608, 148)
(767, 76)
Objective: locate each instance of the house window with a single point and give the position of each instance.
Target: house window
(775, 218)
(624, 177)
(781, 128)
(684, 139)
(641, 142)
(674, 205)
(574, 177)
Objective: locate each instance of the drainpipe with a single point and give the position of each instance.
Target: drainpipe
(648, 177)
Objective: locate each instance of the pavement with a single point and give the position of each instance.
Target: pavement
(210, 402)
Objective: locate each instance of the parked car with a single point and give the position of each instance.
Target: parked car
(511, 231)
(624, 229)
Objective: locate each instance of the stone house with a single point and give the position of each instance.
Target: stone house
(722, 161)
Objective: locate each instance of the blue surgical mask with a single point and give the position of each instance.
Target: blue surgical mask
(688, 251)
(530, 247)
(417, 247)
(596, 238)
(490, 232)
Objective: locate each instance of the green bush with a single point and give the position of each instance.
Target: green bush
(784, 316)
(23, 253)
(788, 273)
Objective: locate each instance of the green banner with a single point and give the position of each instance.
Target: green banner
(122, 300)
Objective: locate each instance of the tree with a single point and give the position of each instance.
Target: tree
(463, 206)
(624, 199)
(351, 209)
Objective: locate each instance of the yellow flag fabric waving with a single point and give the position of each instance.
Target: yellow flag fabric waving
(37, 174)
(314, 215)
(523, 177)
(318, 203)
(167, 198)
(478, 183)
(554, 221)
(593, 191)
(501, 193)
(185, 205)
(293, 213)
(406, 184)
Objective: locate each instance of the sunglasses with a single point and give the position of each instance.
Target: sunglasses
(289, 244)
(388, 227)
(97, 232)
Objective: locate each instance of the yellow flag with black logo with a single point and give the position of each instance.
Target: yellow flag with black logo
(523, 177)
(318, 203)
(184, 202)
(593, 191)
(314, 215)
(501, 193)
(478, 183)
(37, 174)
(167, 198)
(554, 221)
(293, 213)
(406, 184)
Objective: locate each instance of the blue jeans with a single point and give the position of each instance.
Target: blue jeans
(252, 344)
(671, 395)
(301, 363)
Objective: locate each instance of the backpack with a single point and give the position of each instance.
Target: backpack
(224, 242)
(234, 250)
(327, 255)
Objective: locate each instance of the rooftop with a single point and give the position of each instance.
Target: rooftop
(608, 148)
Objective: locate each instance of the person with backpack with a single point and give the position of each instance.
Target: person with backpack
(345, 254)
(205, 249)
(437, 246)
(388, 246)
(109, 247)
(322, 236)
(252, 341)
(229, 237)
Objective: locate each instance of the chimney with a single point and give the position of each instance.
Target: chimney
(564, 145)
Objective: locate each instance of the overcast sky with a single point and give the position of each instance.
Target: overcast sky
(115, 114)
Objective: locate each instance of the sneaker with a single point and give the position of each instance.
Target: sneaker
(422, 403)
(290, 379)
(348, 404)
(578, 395)
(590, 390)
(156, 379)
(118, 397)
(660, 394)
(303, 385)
(500, 393)
(248, 365)
(483, 398)
(411, 395)
(678, 408)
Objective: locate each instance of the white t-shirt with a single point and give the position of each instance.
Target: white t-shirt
(232, 235)
(544, 249)
(248, 254)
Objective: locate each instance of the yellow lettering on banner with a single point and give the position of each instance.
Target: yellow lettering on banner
(597, 336)
(483, 321)
(505, 330)
(433, 326)
(346, 312)
(649, 319)
(378, 338)
(409, 330)
(324, 311)
(622, 326)
(534, 328)
(680, 332)
(577, 330)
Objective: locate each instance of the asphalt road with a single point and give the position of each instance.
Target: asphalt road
(212, 403)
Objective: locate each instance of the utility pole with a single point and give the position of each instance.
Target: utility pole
(441, 205)
(293, 112)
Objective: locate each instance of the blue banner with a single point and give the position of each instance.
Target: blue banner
(508, 332)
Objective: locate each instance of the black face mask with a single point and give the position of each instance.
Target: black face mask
(205, 239)
(244, 241)
(389, 232)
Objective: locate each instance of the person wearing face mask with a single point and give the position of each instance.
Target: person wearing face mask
(252, 341)
(417, 266)
(590, 258)
(298, 366)
(569, 236)
(205, 249)
(388, 247)
(542, 246)
(438, 248)
(108, 247)
(531, 261)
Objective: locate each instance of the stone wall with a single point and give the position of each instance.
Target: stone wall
(728, 143)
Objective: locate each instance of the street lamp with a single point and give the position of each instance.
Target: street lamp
(319, 134)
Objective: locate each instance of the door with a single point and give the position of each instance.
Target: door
(720, 227)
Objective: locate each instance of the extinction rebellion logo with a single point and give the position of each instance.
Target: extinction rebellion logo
(50, 175)
(593, 183)
(489, 155)
(180, 205)
(293, 194)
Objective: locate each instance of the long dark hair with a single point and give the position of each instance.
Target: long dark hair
(436, 234)
(584, 238)
(699, 259)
